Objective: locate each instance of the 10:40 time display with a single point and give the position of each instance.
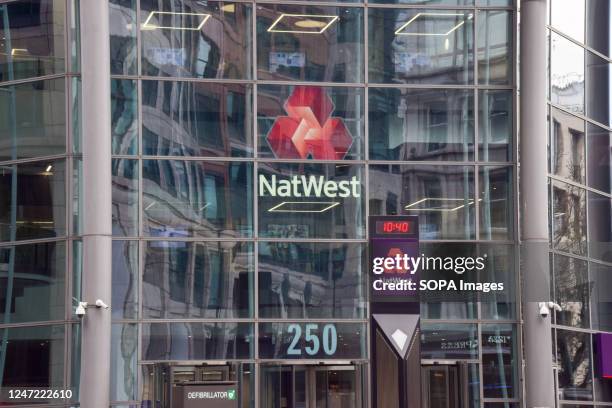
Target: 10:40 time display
(393, 227)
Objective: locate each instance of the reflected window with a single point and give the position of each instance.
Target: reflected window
(571, 291)
(31, 38)
(601, 297)
(310, 43)
(449, 341)
(197, 341)
(420, 46)
(32, 119)
(310, 122)
(125, 197)
(569, 218)
(124, 347)
(125, 280)
(567, 146)
(499, 361)
(598, 93)
(442, 197)
(575, 365)
(32, 200)
(311, 201)
(311, 280)
(198, 280)
(496, 203)
(495, 47)
(194, 198)
(196, 39)
(496, 124)
(566, 73)
(35, 275)
(407, 124)
(599, 165)
(600, 228)
(124, 116)
(123, 26)
(34, 357)
(196, 119)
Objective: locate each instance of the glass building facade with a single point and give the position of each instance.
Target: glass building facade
(251, 141)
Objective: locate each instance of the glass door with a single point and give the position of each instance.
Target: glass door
(440, 386)
(309, 386)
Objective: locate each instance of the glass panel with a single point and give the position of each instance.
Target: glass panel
(36, 276)
(499, 361)
(495, 47)
(598, 92)
(598, 28)
(448, 310)
(32, 119)
(600, 227)
(196, 119)
(428, 2)
(32, 200)
(496, 203)
(574, 358)
(567, 146)
(123, 377)
(312, 340)
(124, 116)
(568, 17)
(196, 39)
(494, 2)
(599, 164)
(495, 127)
(311, 280)
(410, 124)
(449, 341)
(197, 341)
(31, 38)
(316, 122)
(421, 46)
(571, 291)
(601, 296)
(189, 198)
(198, 280)
(311, 201)
(569, 218)
(125, 280)
(310, 43)
(34, 357)
(501, 268)
(566, 74)
(123, 27)
(125, 197)
(442, 197)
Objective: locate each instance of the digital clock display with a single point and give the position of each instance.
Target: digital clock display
(393, 227)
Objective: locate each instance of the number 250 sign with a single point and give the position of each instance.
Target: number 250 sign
(313, 339)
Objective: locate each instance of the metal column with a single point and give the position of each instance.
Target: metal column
(539, 381)
(97, 222)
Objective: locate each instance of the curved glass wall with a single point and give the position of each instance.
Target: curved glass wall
(580, 199)
(38, 127)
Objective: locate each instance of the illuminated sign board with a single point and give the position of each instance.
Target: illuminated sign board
(394, 258)
(213, 395)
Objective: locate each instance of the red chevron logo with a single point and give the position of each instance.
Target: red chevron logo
(309, 130)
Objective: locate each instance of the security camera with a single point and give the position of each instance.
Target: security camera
(81, 310)
(544, 308)
(101, 304)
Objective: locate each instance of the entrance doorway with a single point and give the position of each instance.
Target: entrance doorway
(311, 386)
(445, 386)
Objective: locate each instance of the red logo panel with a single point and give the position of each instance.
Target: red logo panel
(309, 129)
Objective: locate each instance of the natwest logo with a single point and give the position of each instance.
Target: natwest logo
(309, 130)
(308, 186)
